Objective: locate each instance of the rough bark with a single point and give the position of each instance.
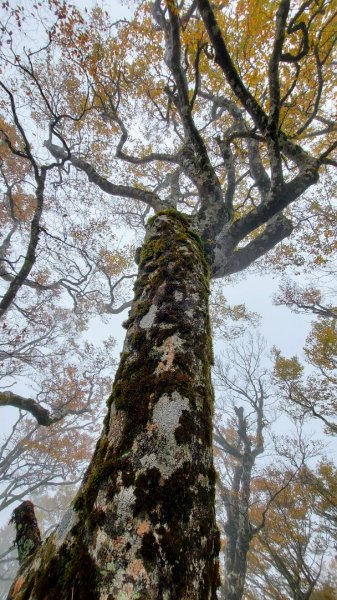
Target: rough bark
(28, 537)
(143, 524)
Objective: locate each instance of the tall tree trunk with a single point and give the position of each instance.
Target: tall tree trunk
(236, 568)
(238, 533)
(143, 524)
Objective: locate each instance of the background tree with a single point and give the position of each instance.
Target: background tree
(236, 154)
(286, 558)
(47, 450)
(53, 279)
(239, 441)
(252, 490)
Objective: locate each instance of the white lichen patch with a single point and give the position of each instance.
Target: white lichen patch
(147, 321)
(124, 501)
(115, 547)
(114, 557)
(167, 459)
(167, 411)
(187, 247)
(165, 326)
(163, 219)
(167, 454)
(178, 296)
(168, 350)
(102, 503)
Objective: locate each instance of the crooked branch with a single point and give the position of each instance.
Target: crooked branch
(42, 415)
(104, 184)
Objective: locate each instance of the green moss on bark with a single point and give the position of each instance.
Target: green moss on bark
(71, 573)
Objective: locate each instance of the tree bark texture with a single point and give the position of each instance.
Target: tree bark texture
(28, 537)
(143, 523)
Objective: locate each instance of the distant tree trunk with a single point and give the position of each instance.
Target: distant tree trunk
(238, 530)
(236, 565)
(143, 524)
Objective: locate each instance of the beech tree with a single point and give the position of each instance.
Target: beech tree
(241, 418)
(218, 135)
(54, 277)
(254, 495)
(286, 558)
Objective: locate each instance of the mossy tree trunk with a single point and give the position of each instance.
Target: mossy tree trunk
(143, 523)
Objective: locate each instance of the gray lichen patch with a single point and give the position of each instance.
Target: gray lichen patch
(168, 410)
(166, 459)
(147, 321)
(164, 452)
(124, 501)
(103, 545)
(68, 521)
